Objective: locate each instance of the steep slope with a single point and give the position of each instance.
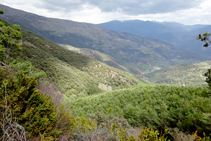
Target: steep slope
(189, 75)
(96, 55)
(73, 73)
(137, 55)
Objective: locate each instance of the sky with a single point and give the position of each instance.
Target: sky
(187, 12)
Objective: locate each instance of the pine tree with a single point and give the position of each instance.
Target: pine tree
(205, 38)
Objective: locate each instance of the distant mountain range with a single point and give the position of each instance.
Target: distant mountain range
(182, 36)
(137, 55)
(149, 28)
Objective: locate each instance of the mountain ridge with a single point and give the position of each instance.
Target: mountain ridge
(73, 73)
(179, 35)
(138, 55)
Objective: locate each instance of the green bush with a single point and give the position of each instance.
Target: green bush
(33, 110)
(152, 106)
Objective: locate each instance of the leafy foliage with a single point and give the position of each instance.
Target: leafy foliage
(152, 106)
(26, 67)
(35, 112)
(204, 38)
(151, 135)
(9, 38)
(1, 11)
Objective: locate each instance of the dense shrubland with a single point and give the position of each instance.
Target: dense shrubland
(157, 107)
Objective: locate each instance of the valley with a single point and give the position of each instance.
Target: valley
(66, 80)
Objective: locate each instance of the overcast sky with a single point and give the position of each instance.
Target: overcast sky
(99, 11)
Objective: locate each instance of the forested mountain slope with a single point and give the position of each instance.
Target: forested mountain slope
(156, 107)
(189, 75)
(137, 55)
(96, 55)
(73, 73)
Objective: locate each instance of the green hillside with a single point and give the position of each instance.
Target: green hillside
(96, 55)
(31, 107)
(151, 106)
(73, 73)
(137, 55)
(189, 75)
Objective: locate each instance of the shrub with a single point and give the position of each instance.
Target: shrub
(34, 111)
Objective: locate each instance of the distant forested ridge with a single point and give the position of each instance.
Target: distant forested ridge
(137, 55)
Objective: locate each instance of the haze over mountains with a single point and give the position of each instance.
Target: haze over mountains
(134, 54)
(179, 35)
(149, 28)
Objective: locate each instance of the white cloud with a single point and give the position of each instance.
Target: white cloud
(96, 11)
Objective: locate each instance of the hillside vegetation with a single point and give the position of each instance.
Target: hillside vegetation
(73, 73)
(156, 107)
(189, 75)
(29, 114)
(97, 56)
(137, 55)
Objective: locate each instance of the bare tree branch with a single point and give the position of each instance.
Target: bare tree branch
(11, 129)
(2, 63)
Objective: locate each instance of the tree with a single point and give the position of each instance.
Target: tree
(10, 39)
(1, 11)
(21, 101)
(22, 106)
(33, 110)
(205, 38)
